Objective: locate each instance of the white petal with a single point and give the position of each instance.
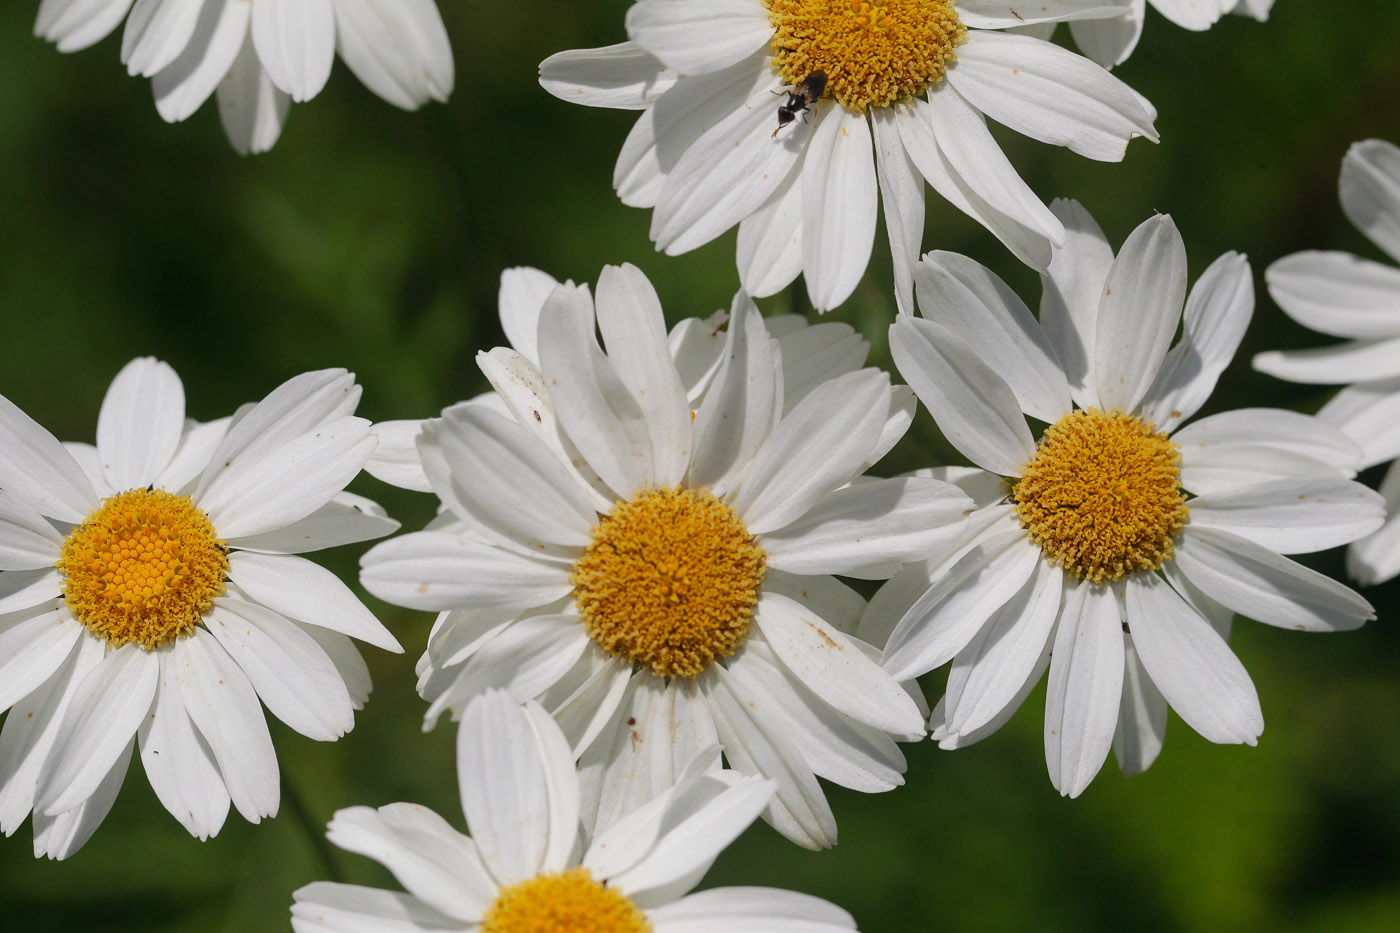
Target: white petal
(768, 250)
(185, 84)
(197, 443)
(139, 427)
(1050, 94)
(1002, 14)
(108, 706)
(1190, 14)
(28, 541)
(1370, 192)
(1369, 413)
(33, 644)
(972, 301)
(295, 40)
(1071, 292)
(700, 36)
(504, 789)
(1085, 686)
(1142, 717)
(1256, 582)
(156, 33)
(817, 447)
(1353, 361)
(562, 788)
(866, 529)
(519, 301)
(395, 461)
(1377, 558)
(1141, 307)
(1110, 41)
(973, 405)
(1191, 664)
(308, 593)
(902, 195)
(25, 589)
(225, 710)
(1337, 293)
(178, 763)
(947, 616)
(438, 570)
(252, 109)
(1293, 516)
(838, 206)
(434, 862)
(346, 519)
(750, 910)
(59, 836)
(1251, 445)
(621, 77)
(1218, 311)
(76, 24)
(37, 469)
(330, 907)
(400, 50)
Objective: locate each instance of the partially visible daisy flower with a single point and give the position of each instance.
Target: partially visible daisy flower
(260, 55)
(658, 573)
(1115, 547)
(151, 595)
(1354, 298)
(527, 869)
(810, 353)
(1110, 41)
(908, 87)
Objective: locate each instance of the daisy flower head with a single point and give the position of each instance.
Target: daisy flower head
(152, 594)
(526, 868)
(1115, 546)
(260, 55)
(1111, 40)
(1356, 299)
(907, 87)
(659, 573)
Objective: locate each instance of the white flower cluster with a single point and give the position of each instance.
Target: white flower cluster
(640, 560)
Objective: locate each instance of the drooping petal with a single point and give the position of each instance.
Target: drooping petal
(1370, 192)
(400, 50)
(252, 109)
(295, 40)
(1085, 687)
(700, 36)
(839, 206)
(179, 765)
(1337, 293)
(619, 77)
(184, 85)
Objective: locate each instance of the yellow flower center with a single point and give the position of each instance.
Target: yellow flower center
(143, 567)
(569, 902)
(1102, 496)
(670, 581)
(874, 52)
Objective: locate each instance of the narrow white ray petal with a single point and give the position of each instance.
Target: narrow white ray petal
(825, 595)
(519, 301)
(1071, 292)
(1197, 15)
(561, 788)
(346, 519)
(1050, 94)
(1141, 307)
(902, 196)
(1191, 664)
(761, 908)
(37, 469)
(252, 109)
(139, 426)
(1369, 413)
(25, 589)
(973, 405)
(504, 791)
(1353, 361)
(295, 40)
(839, 206)
(972, 301)
(395, 460)
(183, 86)
(74, 25)
(1218, 311)
(620, 77)
(105, 712)
(178, 763)
(813, 353)
(1142, 717)
(349, 664)
(400, 51)
(197, 443)
(60, 835)
(1003, 14)
(1293, 516)
(1370, 192)
(33, 644)
(948, 741)
(28, 541)
(1337, 293)
(1256, 582)
(768, 250)
(1376, 559)
(309, 593)
(1110, 41)
(156, 33)
(438, 570)
(700, 36)
(586, 710)
(634, 330)
(526, 658)
(1084, 689)
(1253, 445)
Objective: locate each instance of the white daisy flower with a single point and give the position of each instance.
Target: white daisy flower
(1110, 41)
(150, 589)
(907, 87)
(526, 869)
(658, 574)
(260, 55)
(810, 353)
(1116, 547)
(1357, 299)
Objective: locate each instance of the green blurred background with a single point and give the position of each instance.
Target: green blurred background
(373, 239)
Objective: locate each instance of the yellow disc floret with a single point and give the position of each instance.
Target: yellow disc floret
(670, 581)
(143, 567)
(874, 52)
(567, 902)
(1102, 496)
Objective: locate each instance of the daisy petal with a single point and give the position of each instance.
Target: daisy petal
(902, 195)
(750, 910)
(434, 862)
(185, 84)
(1370, 192)
(1293, 516)
(1085, 685)
(179, 765)
(346, 519)
(156, 33)
(139, 427)
(1337, 293)
(295, 40)
(329, 907)
(252, 109)
(1142, 717)
(103, 716)
(973, 302)
(503, 785)
(526, 658)
(1369, 413)
(308, 593)
(1050, 94)
(973, 405)
(224, 708)
(839, 201)
(36, 468)
(59, 836)
(74, 25)
(1140, 310)
(25, 589)
(28, 541)
(400, 51)
(1353, 361)
(1109, 41)
(769, 247)
(1071, 292)
(620, 77)
(437, 570)
(1265, 586)
(192, 456)
(1191, 664)
(700, 36)
(1005, 14)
